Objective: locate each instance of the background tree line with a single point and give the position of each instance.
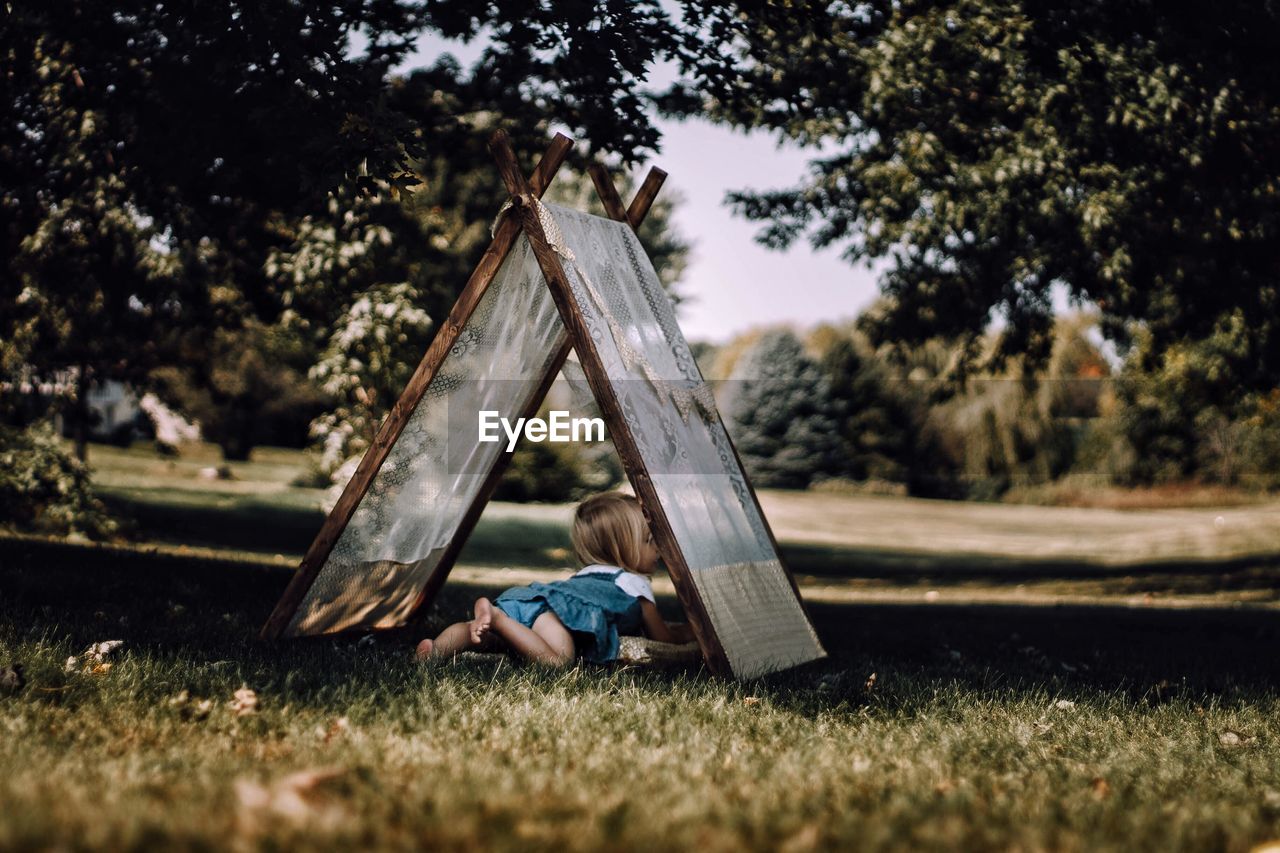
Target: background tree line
(829, 409)
(242, 207)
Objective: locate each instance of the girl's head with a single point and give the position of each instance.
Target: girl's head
(610, 528)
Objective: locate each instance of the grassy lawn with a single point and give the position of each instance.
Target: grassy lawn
(991, 685)
(1075, 728)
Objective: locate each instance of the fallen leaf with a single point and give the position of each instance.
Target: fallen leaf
(805, 839)
(304, 798)
(93, 660)
(11, 678)
(337, 728)
(98, 652)
(244, 702)
(1231, 738)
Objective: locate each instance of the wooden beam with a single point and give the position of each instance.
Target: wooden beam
(608, 193)
(394, 423)
(648, 191)
(623, 440)
(636, 214)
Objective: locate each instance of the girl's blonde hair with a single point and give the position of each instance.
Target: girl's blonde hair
(609, 528)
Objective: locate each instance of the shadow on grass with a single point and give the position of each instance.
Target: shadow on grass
(207, 610)
(264, 525)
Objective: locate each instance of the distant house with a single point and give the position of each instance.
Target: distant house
(115, 409)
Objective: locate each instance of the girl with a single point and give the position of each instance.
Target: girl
(551, 622)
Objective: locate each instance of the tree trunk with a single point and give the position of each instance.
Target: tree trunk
(80, 415)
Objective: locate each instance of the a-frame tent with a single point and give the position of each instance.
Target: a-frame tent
(554, 281)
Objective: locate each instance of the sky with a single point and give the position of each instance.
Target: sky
(731, 283)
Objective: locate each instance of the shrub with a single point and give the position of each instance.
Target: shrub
(45, 489)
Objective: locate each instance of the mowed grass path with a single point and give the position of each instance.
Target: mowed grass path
(927, 728)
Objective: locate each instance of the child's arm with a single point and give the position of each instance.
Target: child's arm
(657, 628)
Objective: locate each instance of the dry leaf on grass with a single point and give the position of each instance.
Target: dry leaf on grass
(306, 798)
(244, 702)
(11, 678)
(338, 728)
(93, 660)
(190, 708)
(1231, 738)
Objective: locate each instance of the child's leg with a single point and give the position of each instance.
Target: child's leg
(460, 635)
(548, 641)
(553, 632)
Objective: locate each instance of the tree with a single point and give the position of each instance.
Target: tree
(1178, 417)
(877, 427)
(780, 414)
(244, 386)
(169, 149)
(990, 149)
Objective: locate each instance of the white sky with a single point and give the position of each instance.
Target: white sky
(731, 283)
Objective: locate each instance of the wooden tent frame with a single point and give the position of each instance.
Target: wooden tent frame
(574, 335)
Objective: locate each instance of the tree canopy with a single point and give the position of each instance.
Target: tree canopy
(168, 171)
(987, 150)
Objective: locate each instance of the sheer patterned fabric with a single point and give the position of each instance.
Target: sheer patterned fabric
(702, 489)
(415, 504)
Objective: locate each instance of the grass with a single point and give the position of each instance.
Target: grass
(940, 725)
(987, 728)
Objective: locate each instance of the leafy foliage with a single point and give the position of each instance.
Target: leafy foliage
(162, 159)
(781, 414)
(44, 489)
(990, 149)
(244, 386)
(1175, 416)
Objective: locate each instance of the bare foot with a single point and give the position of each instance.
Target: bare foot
(424, 650)
(482, 622)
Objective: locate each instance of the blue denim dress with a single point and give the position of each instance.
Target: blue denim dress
(592, 607)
